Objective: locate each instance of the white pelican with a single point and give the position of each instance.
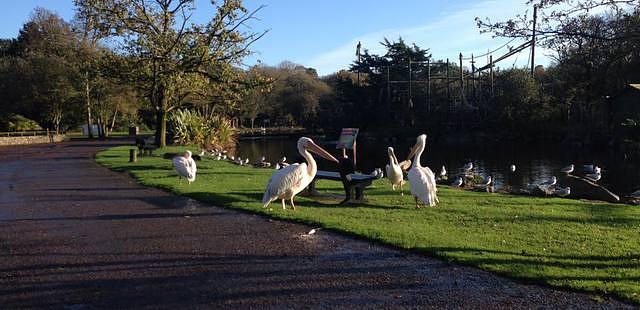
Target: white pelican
(289, 181)
(422, 179)
(512, 168)
(394, 172)
(457, 182)
(567, 169)
(185, 166)
(562, 192)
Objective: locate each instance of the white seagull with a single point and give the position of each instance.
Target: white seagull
(443, 172)
(394, 172)
(486, 182)
(185, 166)
(422, 179)
(567, 169)
(594, 177)
(551, 182)
(468, 167)
(289, 181)
(562, 192)
(512, 168)
(457, 182)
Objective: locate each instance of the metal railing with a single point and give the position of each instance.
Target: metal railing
(28, 133)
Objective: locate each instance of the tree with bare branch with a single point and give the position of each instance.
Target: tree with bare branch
(167, 46)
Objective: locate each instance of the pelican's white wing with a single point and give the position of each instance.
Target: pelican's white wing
(191, 166)
(423, 185)
(285, 181)
(182, 166)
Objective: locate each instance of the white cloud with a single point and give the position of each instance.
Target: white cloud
(446, 37)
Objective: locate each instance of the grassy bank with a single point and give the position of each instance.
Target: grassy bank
(573, 244)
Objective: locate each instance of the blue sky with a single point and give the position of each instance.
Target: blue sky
(323, 34)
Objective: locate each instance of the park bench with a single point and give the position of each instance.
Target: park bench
(146, 145)
(357, 184)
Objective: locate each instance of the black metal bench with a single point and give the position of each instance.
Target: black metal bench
(357, 184)
(145, 146)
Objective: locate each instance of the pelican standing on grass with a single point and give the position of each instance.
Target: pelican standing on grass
(422, 179)
(185, 166)
(394, 172)
(289, 181)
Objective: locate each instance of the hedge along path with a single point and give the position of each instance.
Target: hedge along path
(582, 245)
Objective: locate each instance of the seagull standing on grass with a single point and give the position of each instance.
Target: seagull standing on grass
(185, 166)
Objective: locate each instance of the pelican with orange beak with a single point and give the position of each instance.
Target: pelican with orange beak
(422, 179)
(287, 182)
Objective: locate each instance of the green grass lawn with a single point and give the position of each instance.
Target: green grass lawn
(590, 246)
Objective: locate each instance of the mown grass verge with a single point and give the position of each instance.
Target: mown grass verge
(583, 245)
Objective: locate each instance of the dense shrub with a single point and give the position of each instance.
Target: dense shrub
(190, 127)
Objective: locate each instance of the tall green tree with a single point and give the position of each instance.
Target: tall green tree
(167, 46)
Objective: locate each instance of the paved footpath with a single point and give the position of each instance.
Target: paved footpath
(75, 235)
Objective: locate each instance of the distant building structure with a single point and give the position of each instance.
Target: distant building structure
(626, 105)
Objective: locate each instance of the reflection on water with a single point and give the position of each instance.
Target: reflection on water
(534, 164)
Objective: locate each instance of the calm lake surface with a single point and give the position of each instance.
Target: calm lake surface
(534, 164)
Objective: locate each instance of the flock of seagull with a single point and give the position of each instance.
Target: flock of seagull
(290, 179)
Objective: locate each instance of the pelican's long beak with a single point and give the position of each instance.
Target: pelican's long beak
(320, 151)
(413, 151)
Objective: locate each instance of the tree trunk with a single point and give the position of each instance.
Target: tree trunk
(161, 128)
(113, 121)
(87, 99)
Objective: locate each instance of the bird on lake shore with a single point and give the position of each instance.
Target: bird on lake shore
(283, 162)
(562, 192)
(394, 172)
(467, 167)
(287, 182)
(594, 177)
(457, 182)
(422, 180)
(512, 168)
(185, 166)
(443, 173)
(551, 182)
(567, 169)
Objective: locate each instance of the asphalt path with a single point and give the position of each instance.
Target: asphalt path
(75, 235)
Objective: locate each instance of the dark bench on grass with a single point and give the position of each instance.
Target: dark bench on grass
(358, 183)
(146, 145)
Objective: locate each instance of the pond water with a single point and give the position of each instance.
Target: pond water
(534, 164)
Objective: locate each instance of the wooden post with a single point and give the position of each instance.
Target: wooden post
(473, 77)
(133, 155)
(388, 88)
(461, 81)
(533, 39)
(429, 85)
(448, 85)
(410, 100)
